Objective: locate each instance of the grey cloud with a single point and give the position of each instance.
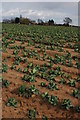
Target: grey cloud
(43, 10)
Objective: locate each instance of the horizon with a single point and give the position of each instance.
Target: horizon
(41, 10)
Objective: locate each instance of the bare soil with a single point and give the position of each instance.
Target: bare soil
(36, 101)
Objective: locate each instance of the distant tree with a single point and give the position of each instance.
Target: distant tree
(17, 20)
(67, 21)
(40, 22)
(12, 20)
(25, 21)
(6, 21)
(51, 22)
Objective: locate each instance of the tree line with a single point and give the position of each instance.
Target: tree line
(27, 21)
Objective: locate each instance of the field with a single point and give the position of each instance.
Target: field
(40, 66)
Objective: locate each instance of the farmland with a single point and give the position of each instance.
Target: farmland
(40, 67)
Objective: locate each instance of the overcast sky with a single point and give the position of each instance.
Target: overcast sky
(43, 10)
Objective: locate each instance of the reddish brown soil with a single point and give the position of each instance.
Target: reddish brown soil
(36, 101)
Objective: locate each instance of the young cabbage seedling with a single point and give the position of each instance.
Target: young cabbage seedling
(67, 104)
(32, 114)
(12, 102)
